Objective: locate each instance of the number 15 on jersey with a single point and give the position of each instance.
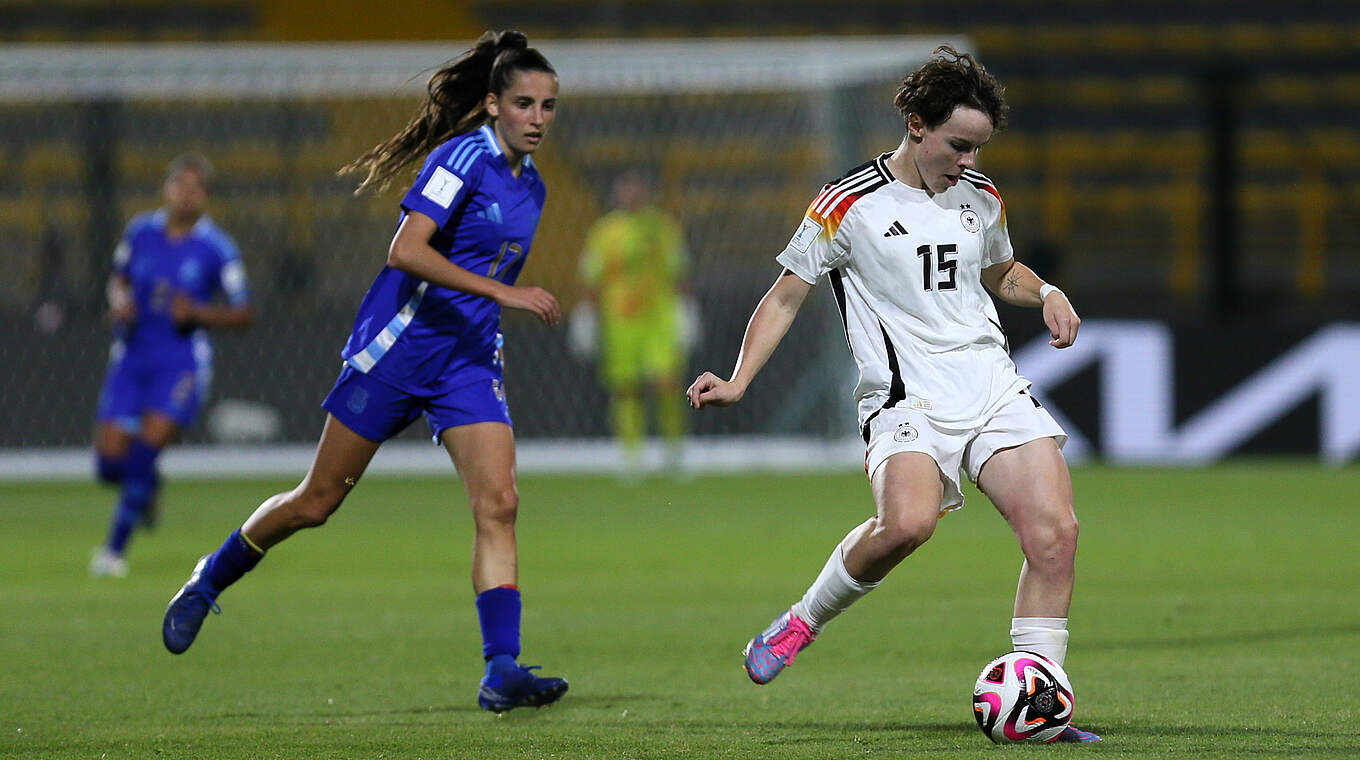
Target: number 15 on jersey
(943, 262)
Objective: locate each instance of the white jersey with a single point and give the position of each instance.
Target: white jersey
(905, 267)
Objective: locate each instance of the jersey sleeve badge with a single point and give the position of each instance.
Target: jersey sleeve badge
(442, 186)
(806, 234)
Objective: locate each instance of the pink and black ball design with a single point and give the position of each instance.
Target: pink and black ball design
(1023, 696)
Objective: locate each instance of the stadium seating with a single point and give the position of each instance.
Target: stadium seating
(127, 21)
(1107, 120)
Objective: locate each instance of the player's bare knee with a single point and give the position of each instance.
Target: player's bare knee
(1070, 531)
(1065, 536)
(1051, 544)
(903, 535)
(496, 509)
(313, 503)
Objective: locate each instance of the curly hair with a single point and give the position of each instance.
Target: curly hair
(454, 104)
(948, 80)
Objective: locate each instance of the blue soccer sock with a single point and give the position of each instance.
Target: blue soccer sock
(233, 559)
(498, 609)
(140, 483)
(109, 469)
(499, 665)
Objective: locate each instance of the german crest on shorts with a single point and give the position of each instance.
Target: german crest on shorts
(905, 433)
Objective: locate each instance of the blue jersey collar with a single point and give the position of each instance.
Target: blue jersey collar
(494, 146)
(491, 142)
(203, 225)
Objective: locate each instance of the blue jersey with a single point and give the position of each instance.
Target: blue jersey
(201, 264)
(427, 340)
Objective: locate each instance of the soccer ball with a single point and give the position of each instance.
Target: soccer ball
(1022, 696)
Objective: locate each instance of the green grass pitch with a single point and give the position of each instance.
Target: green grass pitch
(1217, 615)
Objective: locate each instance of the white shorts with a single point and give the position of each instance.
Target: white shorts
(900, 429)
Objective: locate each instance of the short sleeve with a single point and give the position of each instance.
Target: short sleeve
(233, 274)
(234, 283)
(997, 238)
(814, 249)
(444, 181)
(122, 254)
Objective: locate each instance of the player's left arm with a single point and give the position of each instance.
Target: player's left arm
(190, 313)
(1017, 284)
(237, 313)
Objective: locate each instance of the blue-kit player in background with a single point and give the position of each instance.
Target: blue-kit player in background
(175, 273)
(426, 341)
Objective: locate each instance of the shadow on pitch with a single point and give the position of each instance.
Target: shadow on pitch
(596, 701)
(798, 728)
(1226, 639)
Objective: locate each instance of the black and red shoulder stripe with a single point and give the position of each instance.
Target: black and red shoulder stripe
(980, 181)
(837, 197)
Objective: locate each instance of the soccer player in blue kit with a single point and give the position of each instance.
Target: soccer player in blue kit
(426, 341)
(169, 269)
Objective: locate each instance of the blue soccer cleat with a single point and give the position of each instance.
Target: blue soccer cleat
(508, 688)
(187, 609)
(1074, 734)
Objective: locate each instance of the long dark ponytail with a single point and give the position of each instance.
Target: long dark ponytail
(455, 103)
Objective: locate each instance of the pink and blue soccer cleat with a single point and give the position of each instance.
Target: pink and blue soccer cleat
(1074, 734)
(774, 650)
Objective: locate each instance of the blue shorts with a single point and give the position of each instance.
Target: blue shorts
(378, 411)
(131, 389)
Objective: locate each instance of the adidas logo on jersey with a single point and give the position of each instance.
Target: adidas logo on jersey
(492, 213)
(895, 230)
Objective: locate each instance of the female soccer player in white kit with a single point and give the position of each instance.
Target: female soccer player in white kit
(908, 240)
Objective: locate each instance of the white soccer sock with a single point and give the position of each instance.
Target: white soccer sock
(832, 593)
(1046, 636)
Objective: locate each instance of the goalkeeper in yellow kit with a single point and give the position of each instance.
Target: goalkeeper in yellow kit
(632, 268)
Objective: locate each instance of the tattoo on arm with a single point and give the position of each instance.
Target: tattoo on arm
(1012, 283)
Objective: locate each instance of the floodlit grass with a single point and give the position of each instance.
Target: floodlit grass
(1217, 615)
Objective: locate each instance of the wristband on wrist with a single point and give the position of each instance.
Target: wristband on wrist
(1046, 289)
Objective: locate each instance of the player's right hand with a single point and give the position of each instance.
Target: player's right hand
(537, 300)
(710, 390)
(182, 310)
(1061, 319)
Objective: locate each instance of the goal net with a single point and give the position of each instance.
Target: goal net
(737, 135)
